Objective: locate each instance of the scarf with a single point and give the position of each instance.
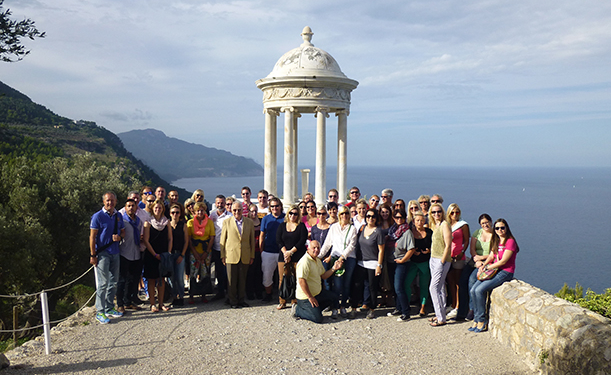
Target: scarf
(199, 229)
(458, 224)
(135, 224)
(396, 231)
(159, 224)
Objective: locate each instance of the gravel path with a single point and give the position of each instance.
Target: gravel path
(213, 339)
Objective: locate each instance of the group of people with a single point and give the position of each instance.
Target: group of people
(345, 258)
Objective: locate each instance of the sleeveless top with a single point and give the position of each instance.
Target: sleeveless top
(159, 239)
(438, 244)
(178, 237)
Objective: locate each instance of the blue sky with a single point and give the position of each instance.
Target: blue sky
(442, 83)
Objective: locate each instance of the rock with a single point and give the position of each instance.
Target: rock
(4, 362)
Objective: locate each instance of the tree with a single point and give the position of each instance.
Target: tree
(11, 33)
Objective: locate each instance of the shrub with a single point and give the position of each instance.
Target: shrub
(599, 303)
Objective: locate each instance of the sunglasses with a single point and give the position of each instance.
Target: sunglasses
(150, 200)
(423, 202)
(399, 217)
(174, 213)
(413, 208)
(148, 193)
(198, 195)
(455, 213)
(500, 228)
(293, 213)
(321, 213)
(345, 213)
(332, 196)
(435, 201)
(436, 212)
(369, 216)
(274, 205)
(374, 200)
(354, 192)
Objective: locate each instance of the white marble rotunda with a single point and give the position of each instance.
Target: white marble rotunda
(305, 80)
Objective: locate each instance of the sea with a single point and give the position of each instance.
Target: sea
(552, 212)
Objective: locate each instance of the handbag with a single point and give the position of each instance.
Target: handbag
(289, 283)
(486, 274)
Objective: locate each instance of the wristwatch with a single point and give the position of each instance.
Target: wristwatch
(379, 265)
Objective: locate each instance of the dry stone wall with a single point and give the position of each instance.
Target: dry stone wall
(553, 335)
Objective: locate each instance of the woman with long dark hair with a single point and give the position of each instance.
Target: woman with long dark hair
(370, 259)
(502, 257)
(158, 240)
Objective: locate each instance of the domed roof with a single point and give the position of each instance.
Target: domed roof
(306, 60)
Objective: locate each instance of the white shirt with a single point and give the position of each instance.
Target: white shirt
(217, 219)
(343, 241)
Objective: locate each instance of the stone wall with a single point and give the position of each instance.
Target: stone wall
(554, 336)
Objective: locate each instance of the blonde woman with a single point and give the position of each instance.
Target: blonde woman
(460, 244)
(201, 234)
(361, 209)
(412, 207)
(341, 240)
(439, 264)
(291, 238)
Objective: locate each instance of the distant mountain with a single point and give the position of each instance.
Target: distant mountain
(174, 159)
(31, 130)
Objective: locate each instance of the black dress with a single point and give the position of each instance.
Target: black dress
(296, 239)
(159, 242)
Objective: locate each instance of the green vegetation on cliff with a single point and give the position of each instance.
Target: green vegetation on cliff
(53, 172)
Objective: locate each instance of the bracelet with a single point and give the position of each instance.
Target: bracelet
(93, 255)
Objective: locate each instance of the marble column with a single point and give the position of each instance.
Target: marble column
(289, 154)
(342, 153)
(270, 177)
(296, 116)
(321, 154)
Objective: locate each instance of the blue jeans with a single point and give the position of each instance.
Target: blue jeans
(472, 280)
(464, 286)
(177, 281)
(479, 294)
(107, 273)
(341, 284)
(305, 310)
(402, 301)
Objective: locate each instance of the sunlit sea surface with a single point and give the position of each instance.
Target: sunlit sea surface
(561, 217)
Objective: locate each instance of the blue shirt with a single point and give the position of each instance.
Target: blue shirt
(269, 226)
(105, 224)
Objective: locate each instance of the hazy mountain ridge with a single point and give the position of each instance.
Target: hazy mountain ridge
(173, 158)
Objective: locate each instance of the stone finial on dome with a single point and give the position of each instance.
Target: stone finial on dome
(306, 34)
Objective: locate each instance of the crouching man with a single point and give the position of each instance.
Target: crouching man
(311, 298)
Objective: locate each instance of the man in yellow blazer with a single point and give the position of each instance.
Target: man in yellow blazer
(237, 253)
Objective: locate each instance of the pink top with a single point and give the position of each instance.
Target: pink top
(457, 242)
(305, 221)
(511, 245)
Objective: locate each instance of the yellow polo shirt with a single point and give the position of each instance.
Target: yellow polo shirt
(311, 270)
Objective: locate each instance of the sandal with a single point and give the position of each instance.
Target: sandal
(165, 308)
(438, 324)
(433, 319)
(154, 309)
(281, 306)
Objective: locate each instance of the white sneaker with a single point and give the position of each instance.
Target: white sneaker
(294, 310)
(452, 314)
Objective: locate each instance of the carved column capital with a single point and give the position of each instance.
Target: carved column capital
(290, 109)
(271, 112)
(344, 111)
(324, 110)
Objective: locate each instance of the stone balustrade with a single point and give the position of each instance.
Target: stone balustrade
(553, 335)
